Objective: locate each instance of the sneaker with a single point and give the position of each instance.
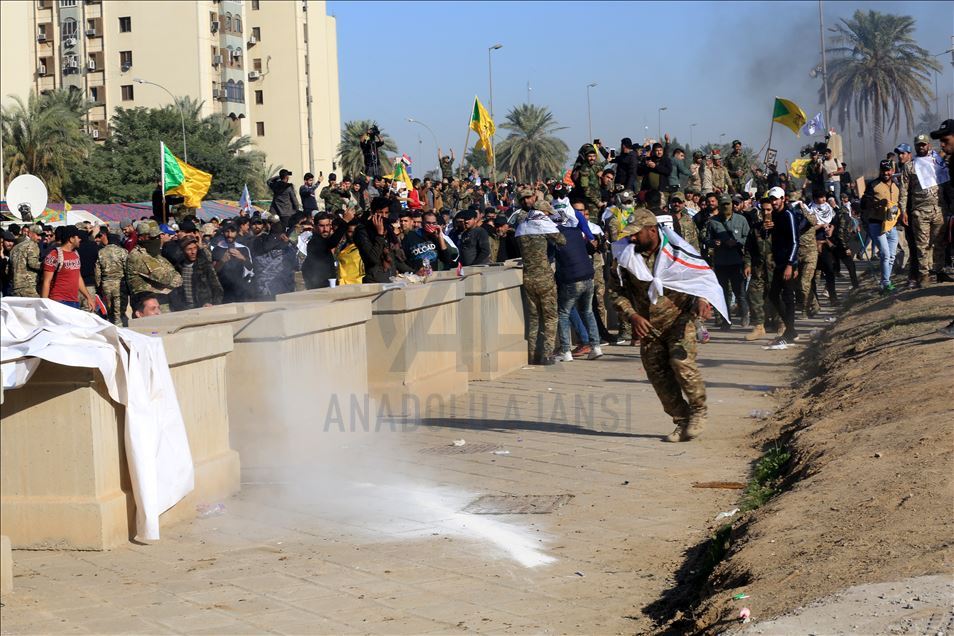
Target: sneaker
(581, 351)
(887, 289)
(622, 342)
(758, 331)
(595, 353)
(566, 356)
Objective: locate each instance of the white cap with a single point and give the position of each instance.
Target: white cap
(775, 193)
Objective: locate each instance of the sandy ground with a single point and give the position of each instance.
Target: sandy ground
(870, 488)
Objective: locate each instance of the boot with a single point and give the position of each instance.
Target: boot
(676, 435)
(758, 331)
(693, 430)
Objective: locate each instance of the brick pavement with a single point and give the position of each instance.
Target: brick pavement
(269, 567)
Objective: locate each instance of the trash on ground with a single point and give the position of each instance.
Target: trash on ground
(761, 387)
(626, 483)
(459, 442)
(776, 347)
(500, 451)
(739, 597)
(725, 485)
(578, 573)
(204, 511)
(727, 514)
(760, 414)
(745, 615)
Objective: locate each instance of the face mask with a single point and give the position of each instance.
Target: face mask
(153, 246)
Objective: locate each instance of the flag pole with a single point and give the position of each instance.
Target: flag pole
(460, 169)
(162, 177)
(771, 130)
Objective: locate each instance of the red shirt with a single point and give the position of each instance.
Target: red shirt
(130, 241)
(65, 283)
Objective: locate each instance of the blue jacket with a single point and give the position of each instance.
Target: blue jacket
(573, 262)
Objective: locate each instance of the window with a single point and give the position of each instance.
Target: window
(257, 33)
(41, 31)
(127, 92)
(125, 24)
(68, 28)
(255, 5)
(238, 24)
(260, 128)
(257, 64)
(94, 94)
(259, 97)
(67, 3)
(228, 22)
(304, 29)
(239, 92)
(125, 59)
(230, 91)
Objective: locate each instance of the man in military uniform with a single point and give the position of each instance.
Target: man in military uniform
(586, 179)
(735, 163)
(759, 266)
(924, 207)
(146, 270)
(110, 276)
(720, 176)
(446, 163)
(682, 222)
(666, 332)
(760, 181)
(807, 257)
(615, 219)
(25, 263)
(538, 282)
(696, 171)
(331, 195)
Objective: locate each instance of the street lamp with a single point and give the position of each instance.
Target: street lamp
(185, 150)
(411, 120)
(589, 117)
(690, 133)
(490, 75)
(659, 120)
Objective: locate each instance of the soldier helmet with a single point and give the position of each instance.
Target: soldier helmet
(641, 218)
(587, 149)
(625, 197)
(148, 228)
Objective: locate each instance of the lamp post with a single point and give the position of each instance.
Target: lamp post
(589, 116)
(691, 126)
(490, 77)
(185, 150)
(411, 120)
(824, 62)
(659, 120)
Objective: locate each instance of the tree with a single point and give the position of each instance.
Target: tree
(45, 137)
(531, 151)
(878, 70)
(350, 158)
(476, 158)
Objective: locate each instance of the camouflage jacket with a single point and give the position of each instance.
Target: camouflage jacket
(25, 266)
(720, 178)
(735, 163)
(689, 231)
(332, 198)
(110, 265)
(587, 179)
(145, 273)
(913, 196)
(533, 251)
(631, 296)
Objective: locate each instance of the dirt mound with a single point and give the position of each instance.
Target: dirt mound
(868, 493)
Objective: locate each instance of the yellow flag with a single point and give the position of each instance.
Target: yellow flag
(798, 168)
(181, 178)
(483, 125)
(788, 114)
(400, 174)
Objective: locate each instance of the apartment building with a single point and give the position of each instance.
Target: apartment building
(271, 66)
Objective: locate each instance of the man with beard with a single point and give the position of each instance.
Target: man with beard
(274, 262)
(200, 285)
(319, 266)
(586, 181)
(146, 270)
(233, 263)
(665, 327)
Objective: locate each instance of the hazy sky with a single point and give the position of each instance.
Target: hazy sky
(716, 64)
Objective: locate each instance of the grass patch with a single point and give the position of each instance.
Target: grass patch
(765, 478)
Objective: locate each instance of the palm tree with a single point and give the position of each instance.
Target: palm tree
(531, 151)
(878, 70)
(350, 158)
(45, 137)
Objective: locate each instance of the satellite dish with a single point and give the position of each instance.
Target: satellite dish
(26, 197)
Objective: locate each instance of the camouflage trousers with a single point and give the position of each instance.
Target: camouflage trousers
(670, 363)
(82, 299)
(26, 292)
(116, 300)
(807, 264)
(542, 304)
(928, 227)
(599, 287)
(761, 313)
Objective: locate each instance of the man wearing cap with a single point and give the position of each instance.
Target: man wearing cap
(25, 263)
(666, 331)
(735, 163)
(586, 178)
(146, 269)
(284, 200)
(696, 171)
(306, 191)
(110, 275)
(728, 233)
(655, 171)
(473, 243)
(924, 205)
(682, 222)
(720, 176)
(881, 207)
(446, 163)
(759, 267)
(946, 136)
(785, 258)
(534, 235)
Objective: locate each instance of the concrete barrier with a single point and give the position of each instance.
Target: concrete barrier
(415, 358)
(296, 369)
(492, 325)
(64, 482)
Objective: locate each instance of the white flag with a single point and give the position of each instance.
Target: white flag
(678, 267)
(931, 170)
(813, 125)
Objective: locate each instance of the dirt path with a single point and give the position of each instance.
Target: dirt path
(394, 554)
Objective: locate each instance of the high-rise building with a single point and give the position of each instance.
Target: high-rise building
(271, 66)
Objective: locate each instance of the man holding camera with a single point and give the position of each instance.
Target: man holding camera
(370, 142)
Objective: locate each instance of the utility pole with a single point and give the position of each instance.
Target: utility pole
(589, 117)
(821, 39)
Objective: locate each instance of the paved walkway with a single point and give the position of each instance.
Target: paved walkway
(381, 546)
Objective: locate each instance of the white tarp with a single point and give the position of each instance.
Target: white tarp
(136, 374)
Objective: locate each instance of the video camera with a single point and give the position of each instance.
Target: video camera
(374, 131)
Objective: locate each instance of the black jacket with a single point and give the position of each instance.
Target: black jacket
(319, 265)
(375, 251)
(661, 172)
(626, 166)
(474, 247)
(206, 288)
(284, 200)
